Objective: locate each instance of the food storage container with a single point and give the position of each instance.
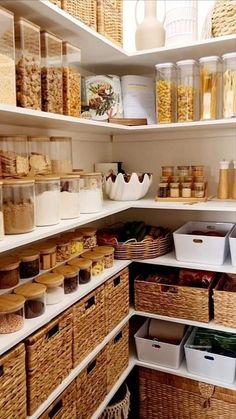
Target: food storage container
(229, 85)
(18, 206)
(61, 154)
(197, 171)
(47, 252)
(1, 214)
(55, 286)
(77, 243)
(187, 91)
(97, 262)
(14, 155)
(28, 65)
(51, 73)
(29, 263)
(69, 196)
(108, 253)
(163, 190)
(84, 267)
(71, 277)
(232, 244)
(7, 58)
(35, 299)
(63, 247)
(91, 196)
(199, 190)
(174, 190)
(39, 155)
(71, 80)
(186, 191)
(183, 172)
(165, 93)
(11, 313)
(47, 192)
(210, 85)
(9, 272)
(89, 237)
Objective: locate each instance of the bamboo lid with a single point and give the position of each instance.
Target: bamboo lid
(39, 138)
(80, 263)
(67, 271)
(17, 182)
(11, 302)
(85, 174)
(9, 263)
(70, 176)
(94, 257)
(50, 279)
(28, 255)
(88, 232)
(30, 290)
(41, 179)
(46, 247)
(104, 250)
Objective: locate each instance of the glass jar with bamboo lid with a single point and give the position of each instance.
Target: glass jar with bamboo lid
(71, 277)
(108, 254)
(210, 86)
(11, 313)
(35, 298)
(84, 266)
(97, 262)
(55, 286)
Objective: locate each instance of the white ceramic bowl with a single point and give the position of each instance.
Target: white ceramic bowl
(119, 190)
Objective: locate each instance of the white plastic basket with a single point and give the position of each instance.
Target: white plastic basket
(232, 244)
(181, 24)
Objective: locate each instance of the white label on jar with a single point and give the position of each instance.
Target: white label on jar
(207, 106)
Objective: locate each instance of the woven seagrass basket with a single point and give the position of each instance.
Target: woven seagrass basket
(56, 2)
(117, 356)
(118, 409)
(64, 406)
(223, 18)
(117, 299)
(84, 10)
(224, 305)
(110, 19)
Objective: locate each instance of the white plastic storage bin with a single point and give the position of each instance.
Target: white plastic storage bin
(157, 352)
(206, 364)
(200, 248)
(232, 244)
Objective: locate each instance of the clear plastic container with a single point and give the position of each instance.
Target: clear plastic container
(18, 206)
(165, 93)
(35, 299)
(89, 237)
(85, 269)
(61, 154)
(97, 262)
(28, 65)
(14, 156)
(29, 263)
(48, 255)
(39, 155)
(210, 86)
(91, 196)
(108, 254)
(71, 277)
(187, 91)
(174, 190)
(7, 58)
(11, 313)
(51, 73)
(1, 214)
(47, 192)
(69, 197)
(71, 80)
(55, 286)
(9, 272)
(229, 85)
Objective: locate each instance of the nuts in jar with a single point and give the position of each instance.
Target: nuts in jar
(108, 253)
(11, 313)
(29, 263)
(85, 267)
(63, 249)
(34, 295)
(71, 277)
(9, 272)
(89, 237)
(97, 262)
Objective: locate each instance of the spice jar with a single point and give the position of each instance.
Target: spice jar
(35, 299)
(29, 263)
(197, 171)
(188, 179)
(71, 80)
(229, 85)
(11, 313)
(1, 215)
(47, 253)
(69, 197)
(183, 172)
(71, 277)
(7, 58)
(18, 206)
(209, 87)
(174, 190)
(39, 155)
(89, 237)
(108, 254)
(97, 262)
(61, 154)
(91, 196)
(165, 93)
(14, 156)
(187, 90)
(163, 189)
(63, 248)
(77, 243)
(55, 286)
(199, 189)
(9, 272)
(167, 171)
(175, 179)
(47, 191)
(85, 269)
(186, 190)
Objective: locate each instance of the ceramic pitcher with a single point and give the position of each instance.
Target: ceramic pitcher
(150, 33)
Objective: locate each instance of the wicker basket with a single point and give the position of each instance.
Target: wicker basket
(84, 10)
(110, 19)
(224, 305)
(117, 299)
(13, 384)
(56, 2)
(166, 396)
(92, 386)
(48, 359)
(119, 408)
(117, 356)
(64, 407)
(223, 18)
(89, 328)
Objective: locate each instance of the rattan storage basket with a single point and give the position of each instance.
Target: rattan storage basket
(166, 396)
(223, 18)
(117, 356)
(56, 2)
(64, 407)
(13, 384)
(84, 10)
(110, 19)
(117, 298)
(48, 359)
(224, 305)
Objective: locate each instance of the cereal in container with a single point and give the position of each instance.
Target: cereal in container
(7, 58)
(35, 299)
(77, 242)
(210, 85)
(64, 247)
(71, 80)
(39, 155)
(11, 313)
(229, 85)
(61, 155)
(108, 253)
(165, 93)
(89, 237)
(14, 156)
(187, 91)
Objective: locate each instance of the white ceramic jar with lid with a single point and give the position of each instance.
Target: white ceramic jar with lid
(47, 191)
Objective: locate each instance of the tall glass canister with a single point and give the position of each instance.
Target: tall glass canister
(69, 197)
(91, 197)
(47, 195)
(39, 155)
(165, 93)
(210, 87)
(14, 155)
(187, 91)
(7, 58)
(61, 154)
(229, 85)
(71, 80)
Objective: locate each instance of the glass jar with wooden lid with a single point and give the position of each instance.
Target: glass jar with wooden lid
(91, 196)
(63, 247)
(97, 262)
(11, 313)
(47, 192)
(84, 266)
(9, 272)
(61, 154)
(1, 212)
(35, 298)
(55, 286)
(77, 242)
(47, 253)
(69, 196)
(89, 237)
(29, 263)
(39, 155)
(108, 253)
(14, 155)
(71, 277)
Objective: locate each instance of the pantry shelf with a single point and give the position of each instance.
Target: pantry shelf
(211, 205)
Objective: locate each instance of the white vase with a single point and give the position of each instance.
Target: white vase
(150, 33)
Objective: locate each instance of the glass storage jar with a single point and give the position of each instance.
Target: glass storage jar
(108, 254)
(187, 90)
(77, 243)
(199, 189)
(197, 171)
(174, 190)
(11, 313)
(7, 58)
(63, 248)
(47, 192)
(91, 196)
(89, 237)
(51, 73)
(29, 263)
(183, 172)
(97, 262)
(55, 286)
(210, 85)
(69, 197)
(167, 171)
(28, 66)
(61, 154)
(85, 269)
(35, 299)
(163, 190)
(71, 277)
(1, 214)
(14, 155)
(18, 206)
(186, 190)
(47, 252)
(165, 93)
(229, 85)
(71, 80)
(9, 272)
(39, 155)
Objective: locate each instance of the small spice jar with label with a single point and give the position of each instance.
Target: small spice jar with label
(71, 277)
(163, 189)
(167, 171)
(97, 262)
(35, 299)
(85, 269)
(186, 190)
(29, 263)
(11, 313)
(9, 272)
(108, 254)
(183, 172)
(199, 189)
(197, 171)
(77, 243)
(89, 237)
(55, 286)
(47, 253)
(174, 190)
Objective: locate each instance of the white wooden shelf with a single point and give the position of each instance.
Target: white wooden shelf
(211, 205)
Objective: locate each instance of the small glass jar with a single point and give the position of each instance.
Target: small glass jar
(167, 171)
(197, 171)
(39, 155)
(229, 85)
(71, 277)
(188, 179)
(91, 196)
(71, 80)
(69, 197)
(85, 269)
(14, 156)
(1, 214)
(55, 286)
(29, 263)
(35, 299)
(61, 155)
(18, 206)
(165, 92)
(183, 172)
(163, 190)
(210, 86)
(7, 54)
(77, 243)
(186, 190)
(9, 272)
(47, 252)
(97, 262)
(89, 237)
(164, 179)
(187, 91)
(199, 189)
(174, 190)
(47, 191)
(11, 313)
(175, 179)
(63, 248)
(108, 253)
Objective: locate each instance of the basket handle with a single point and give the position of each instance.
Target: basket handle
(118, 337)
(197, 241)
(130, 241)
(91, 302)
(206, 391)
(91, 366)
(1, 370)
(116, 281)
(170, 289)
(55, 409)
(53, 331)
